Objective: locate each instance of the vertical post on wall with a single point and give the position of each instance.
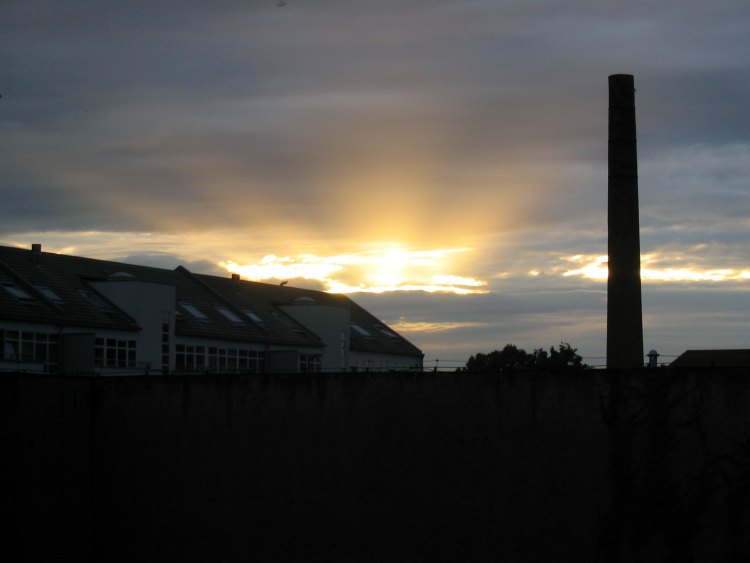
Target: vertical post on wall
(624, 308)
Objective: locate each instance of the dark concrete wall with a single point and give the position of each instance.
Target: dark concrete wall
(606, 466)
(45, 467)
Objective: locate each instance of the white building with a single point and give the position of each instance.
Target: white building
(67, 314)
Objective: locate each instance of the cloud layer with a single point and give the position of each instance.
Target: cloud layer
(226, 133)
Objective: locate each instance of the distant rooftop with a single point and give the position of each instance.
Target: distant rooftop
(713, 358)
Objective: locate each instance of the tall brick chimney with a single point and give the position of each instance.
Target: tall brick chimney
(624, 309)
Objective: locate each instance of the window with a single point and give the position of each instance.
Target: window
(49, 294)
(193, 310)
(31, 347)
(387, 332)
(96, 300)
(17, 291)
(229, 315)
(194, 358)
(252, 316)
(114, 353)
(166, 319)
(190, 358)
(359, 330)
(310, 363)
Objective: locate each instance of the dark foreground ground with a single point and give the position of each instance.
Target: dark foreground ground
(649, 465)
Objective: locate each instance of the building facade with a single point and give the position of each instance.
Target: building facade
(68, 314)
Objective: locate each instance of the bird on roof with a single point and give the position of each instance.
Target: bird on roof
(282, 284)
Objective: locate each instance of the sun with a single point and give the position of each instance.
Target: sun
(388, 269)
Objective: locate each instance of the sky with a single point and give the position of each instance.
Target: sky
(441, 162)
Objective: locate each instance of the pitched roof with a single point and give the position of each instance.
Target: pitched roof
(712, 358)
(81, 305)
(372, 335)
(256, 320)
(55, 291)
(232, 309)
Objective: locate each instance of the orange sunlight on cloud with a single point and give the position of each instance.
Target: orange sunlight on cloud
(595, 268)
(377, 269)
(405, 326)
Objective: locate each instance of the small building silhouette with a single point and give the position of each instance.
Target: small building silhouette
(729, 358)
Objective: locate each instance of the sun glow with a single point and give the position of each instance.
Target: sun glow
(272, 267)
(591, 267)
(377, 269)
(390, 268)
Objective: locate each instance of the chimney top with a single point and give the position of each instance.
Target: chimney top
(236, 277)
(36, 248)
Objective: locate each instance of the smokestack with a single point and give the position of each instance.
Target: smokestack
(624, 310)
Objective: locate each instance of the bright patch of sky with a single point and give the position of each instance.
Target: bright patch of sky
(389, 268)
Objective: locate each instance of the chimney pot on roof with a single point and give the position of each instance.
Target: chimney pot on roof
(236, 277)
(36, 252)
(653, 358)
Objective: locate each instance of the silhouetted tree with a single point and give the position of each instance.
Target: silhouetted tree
(507, 359)
(564, 358)
(510, 358)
